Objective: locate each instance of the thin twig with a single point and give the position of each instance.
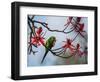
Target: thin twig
(60, 31)
(57, 49)
(75, 37)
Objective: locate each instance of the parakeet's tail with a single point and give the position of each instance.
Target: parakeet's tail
(44, 57)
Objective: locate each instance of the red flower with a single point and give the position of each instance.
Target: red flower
(69, 21)
(77, 47)
(77, 25)
(78, 51)
(68, 45)
(37, 39)
(39, 31)
(80, 27)
(80, 30)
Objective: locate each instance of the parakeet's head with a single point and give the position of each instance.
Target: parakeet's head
(53, 40)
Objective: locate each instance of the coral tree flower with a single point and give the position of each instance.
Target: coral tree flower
(68, 45)
(39, 31)
(37, 39)
(80, 28)
(78, 51)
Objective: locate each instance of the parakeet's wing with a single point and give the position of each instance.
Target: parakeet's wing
(48, 43)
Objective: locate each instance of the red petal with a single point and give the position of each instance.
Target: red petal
(39, 30)
(81, 27)
(71, 49)
(42, 42)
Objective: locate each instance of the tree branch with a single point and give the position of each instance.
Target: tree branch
(45, 25)
(58, 54)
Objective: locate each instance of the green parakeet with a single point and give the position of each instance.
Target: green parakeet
(49, 44)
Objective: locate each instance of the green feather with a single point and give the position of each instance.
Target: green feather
(49, 44)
